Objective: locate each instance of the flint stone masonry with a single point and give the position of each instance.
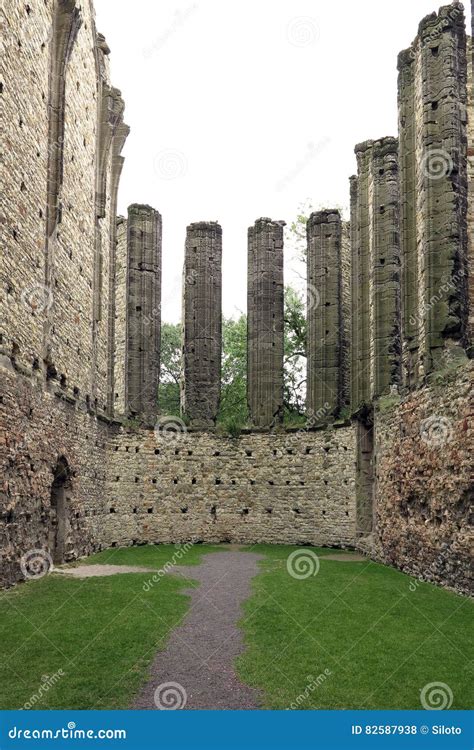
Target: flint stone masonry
(423, 480)
(433, 184)
(376, 279)
(202, 323)
(293, 488)
(325, 345)
(143, 332)
(265, 331)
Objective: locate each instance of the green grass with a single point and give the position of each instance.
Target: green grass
(101, 632)
(381, 641)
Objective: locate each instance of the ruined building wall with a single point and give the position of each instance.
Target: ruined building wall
(433, 184)
(58, 217)
(423, 474)
(325, 352)
(265, 337)
(202, 323)
(293, 488)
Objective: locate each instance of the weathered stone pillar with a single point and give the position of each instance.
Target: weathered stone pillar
(202, 322)
(354, 369)
(433, 151)
(143, 311)
(324, 394)
(265, 323)
(470, 176)
(376, 271)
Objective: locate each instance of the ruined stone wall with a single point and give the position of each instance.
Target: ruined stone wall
(294, 488)
(37, 427)
(423, 480)
(24, 68)
(58, 205)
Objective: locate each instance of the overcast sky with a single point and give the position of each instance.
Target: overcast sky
(249, 108)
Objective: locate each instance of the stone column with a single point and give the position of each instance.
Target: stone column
(433, 155)
(143, 311)
(376, 273)
(324, 395)
(470, 174)
(202, 322)
(265, 306)
(354, 369)
(385, 268)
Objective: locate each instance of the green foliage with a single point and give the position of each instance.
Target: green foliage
(169, 388)
(233, 405)
(294, 361)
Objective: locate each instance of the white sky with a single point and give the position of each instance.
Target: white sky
(249, 108)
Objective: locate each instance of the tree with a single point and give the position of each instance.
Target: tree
(294, 361)
(169, 389)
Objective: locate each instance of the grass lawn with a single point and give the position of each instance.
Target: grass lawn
(380, 640)
(101, 632)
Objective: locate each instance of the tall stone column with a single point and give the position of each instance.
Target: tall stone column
(324, 395)
(144, 233)
(376, 270)
(202, 322)
(265, 339)
(470, 174)
(433, 157)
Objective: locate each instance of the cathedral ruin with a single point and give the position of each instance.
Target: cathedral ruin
(384, 463)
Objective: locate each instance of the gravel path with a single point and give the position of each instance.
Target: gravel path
(196, 671)
(91, 571)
